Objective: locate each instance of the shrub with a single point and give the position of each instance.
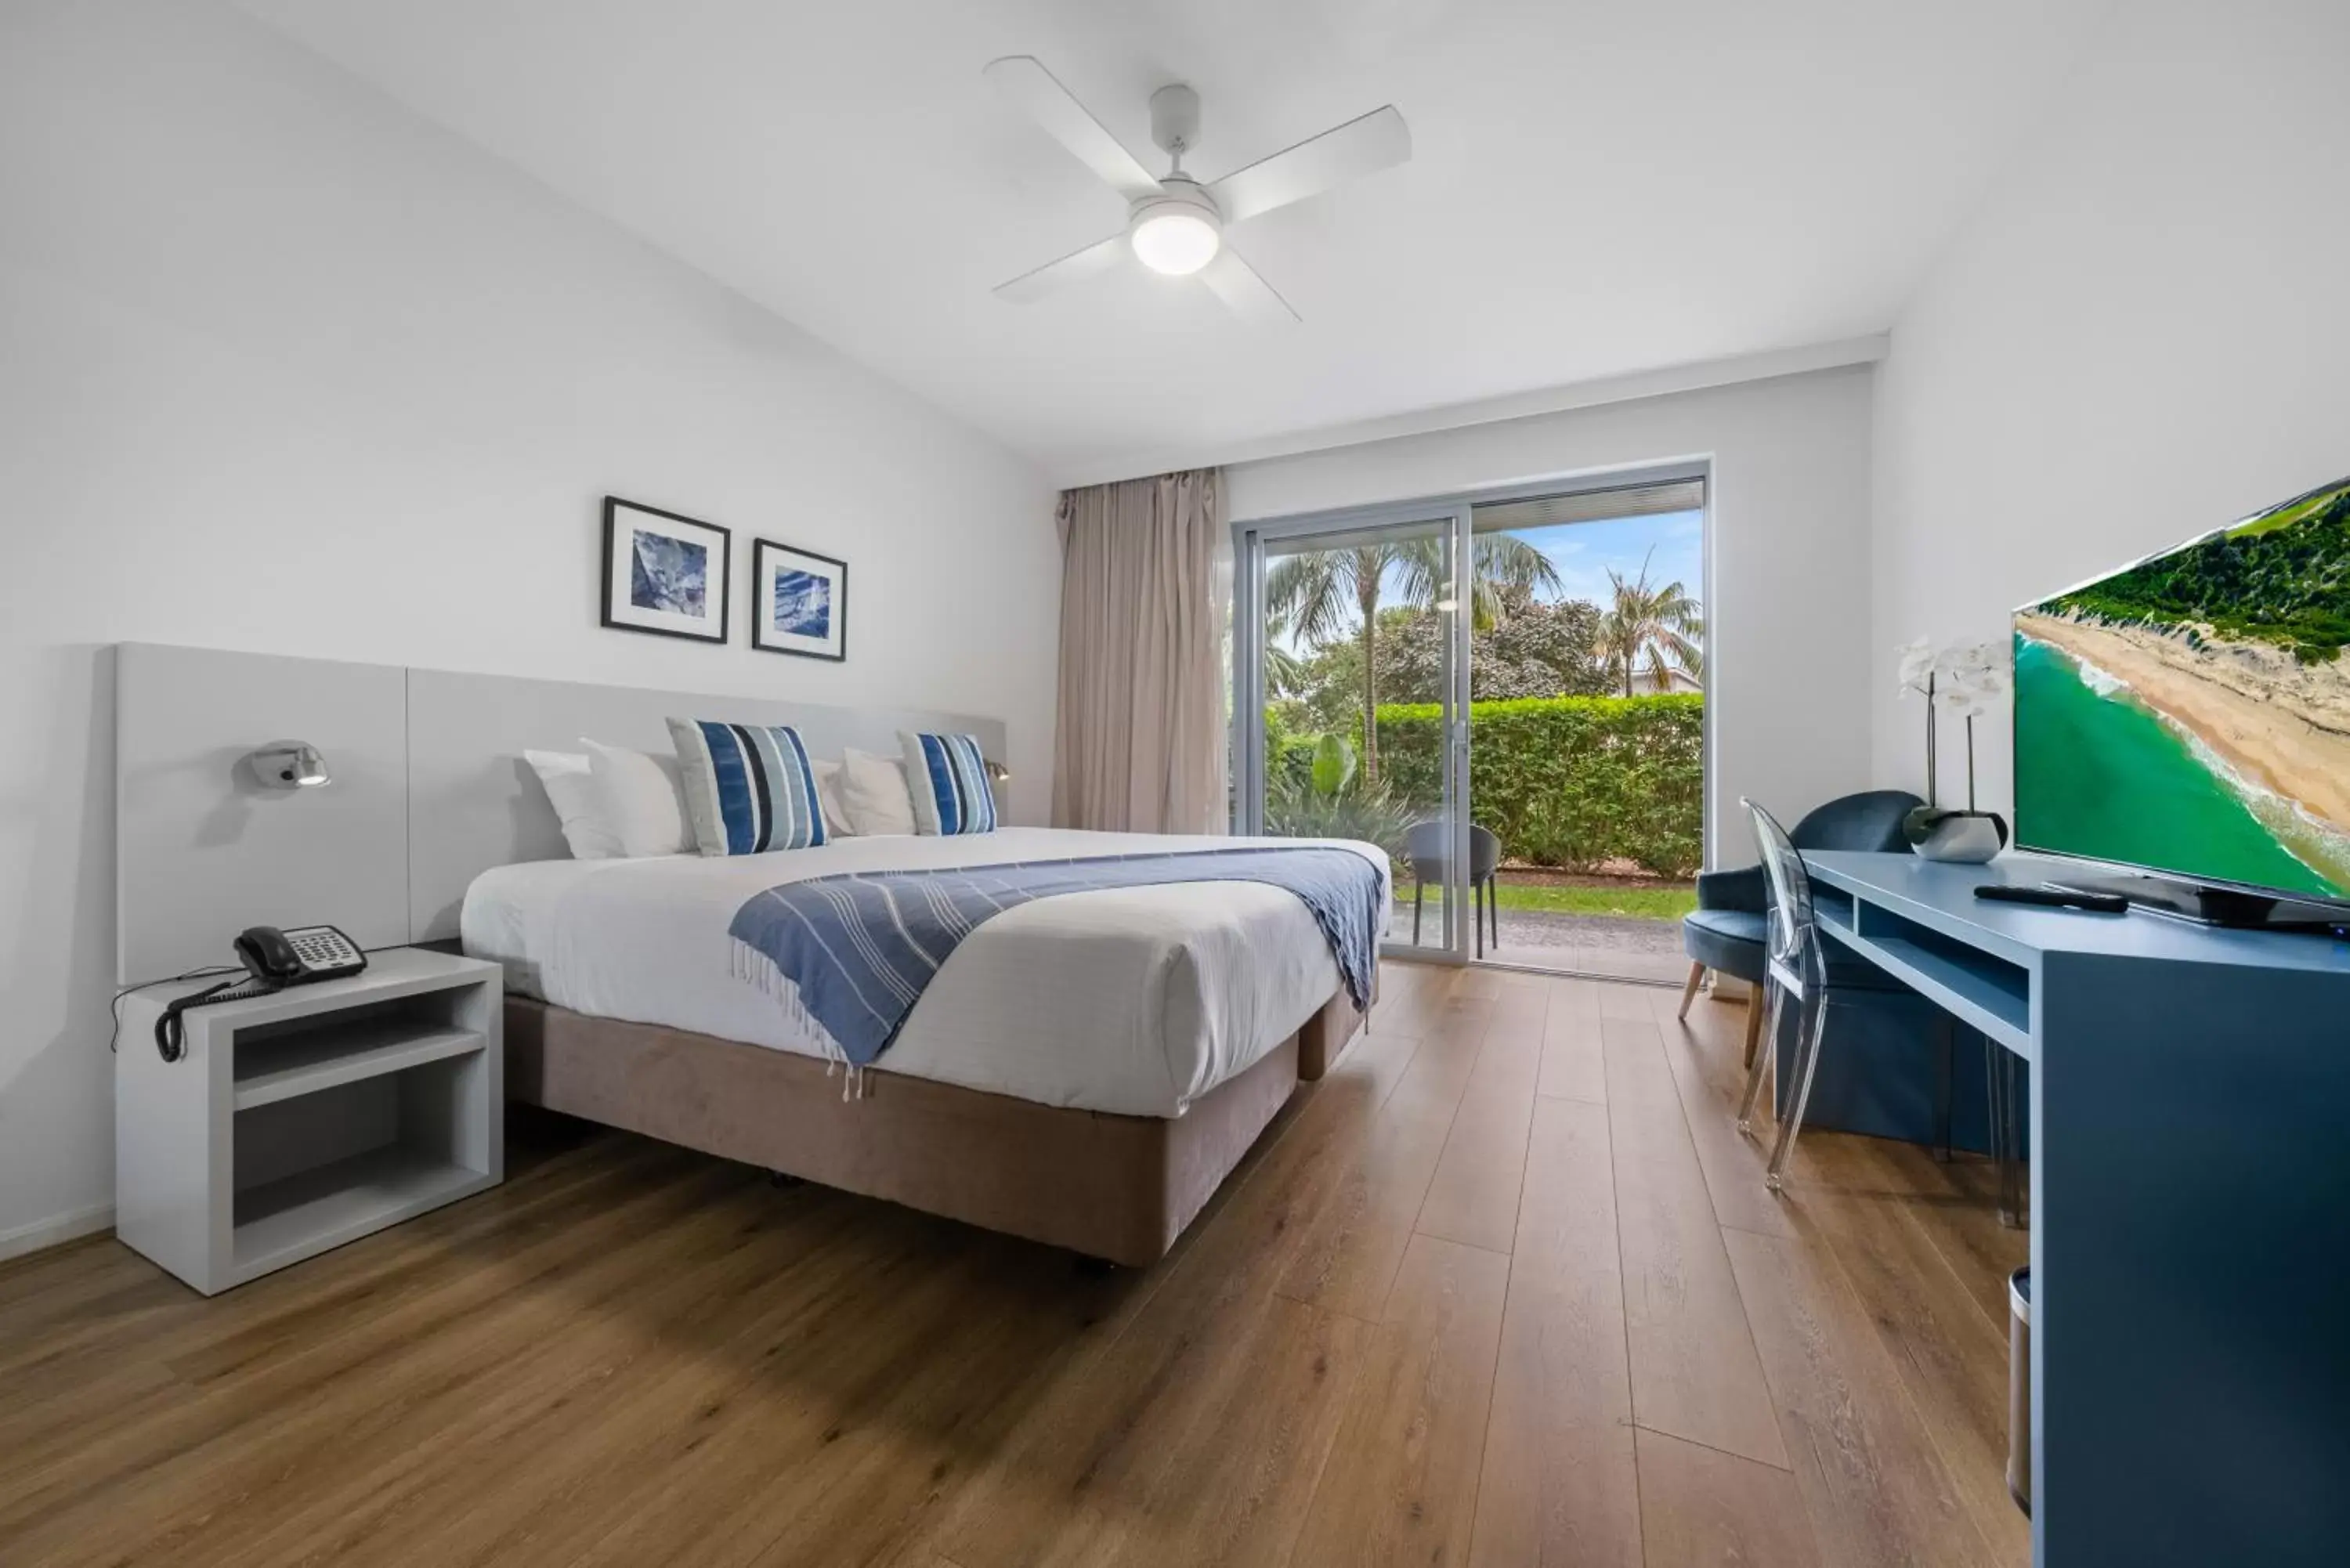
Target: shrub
(1571, 782)
(1333, 799)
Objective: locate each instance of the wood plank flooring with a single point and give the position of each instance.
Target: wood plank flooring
(1505, 1289)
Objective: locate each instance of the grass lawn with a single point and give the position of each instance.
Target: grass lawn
(1633, 903)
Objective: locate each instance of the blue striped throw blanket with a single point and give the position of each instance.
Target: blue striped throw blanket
(858, 949)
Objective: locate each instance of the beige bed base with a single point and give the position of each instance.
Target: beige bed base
(1116, 1187)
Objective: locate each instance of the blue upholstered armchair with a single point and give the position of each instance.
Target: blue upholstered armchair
(1724, 931)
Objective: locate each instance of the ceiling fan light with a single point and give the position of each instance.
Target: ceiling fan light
(1176, 243)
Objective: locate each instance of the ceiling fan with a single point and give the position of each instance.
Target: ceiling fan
(1175, 224)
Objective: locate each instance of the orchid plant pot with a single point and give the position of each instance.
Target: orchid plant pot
(1965, 838)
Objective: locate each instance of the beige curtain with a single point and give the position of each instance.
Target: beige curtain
(1140, 747)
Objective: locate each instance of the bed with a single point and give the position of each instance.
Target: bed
(1084, 1070)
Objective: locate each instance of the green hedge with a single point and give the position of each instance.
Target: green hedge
(1568, 780)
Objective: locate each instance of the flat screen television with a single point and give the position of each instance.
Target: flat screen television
(2188, 715)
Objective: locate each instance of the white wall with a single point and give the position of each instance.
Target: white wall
(283, 368)
(1787, 664)
(2144, 333)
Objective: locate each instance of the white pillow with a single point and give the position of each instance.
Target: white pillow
(827, 791)
(640, 797)
(873, 790)
(571, 791)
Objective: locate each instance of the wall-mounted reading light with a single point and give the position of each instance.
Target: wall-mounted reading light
(289, 764)
(997, 772)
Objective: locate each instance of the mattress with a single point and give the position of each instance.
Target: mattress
(1133, 1000)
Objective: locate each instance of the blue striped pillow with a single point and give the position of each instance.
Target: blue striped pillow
(947, 777)
(749, 788)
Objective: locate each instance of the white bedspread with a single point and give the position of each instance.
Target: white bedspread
(1132, 1000)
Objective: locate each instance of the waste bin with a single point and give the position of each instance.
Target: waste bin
(2019, 1388)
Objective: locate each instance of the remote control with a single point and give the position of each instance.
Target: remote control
(2049, 895)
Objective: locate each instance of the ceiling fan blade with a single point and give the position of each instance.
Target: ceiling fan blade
(1074, 267)
(1025, 81)
(1244, 292)
(1378, 141)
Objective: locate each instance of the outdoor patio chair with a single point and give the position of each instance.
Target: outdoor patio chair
(1429, 846)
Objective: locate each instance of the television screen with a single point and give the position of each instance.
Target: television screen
(2190, 714)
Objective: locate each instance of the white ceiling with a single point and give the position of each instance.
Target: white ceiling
(1597, 186)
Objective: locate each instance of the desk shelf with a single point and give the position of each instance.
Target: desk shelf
(1982, 989)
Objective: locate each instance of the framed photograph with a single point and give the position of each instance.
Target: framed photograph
(665, 574)
(800, 602)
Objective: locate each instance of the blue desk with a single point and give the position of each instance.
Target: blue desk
(2189, 1124)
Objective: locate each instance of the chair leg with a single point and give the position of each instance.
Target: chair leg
(1477, 914)
(1689, 991)
(1762, 1018)
(1998, 1071)
(1807, 1061)
(1418, 891)
(2012, 1197)
(1494, 910)
(1946, 1034)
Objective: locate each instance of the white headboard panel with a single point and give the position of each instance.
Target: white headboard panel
(473, 803)
(430, 789)
(203, 849)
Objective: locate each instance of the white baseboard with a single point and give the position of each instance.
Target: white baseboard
(54, 1230)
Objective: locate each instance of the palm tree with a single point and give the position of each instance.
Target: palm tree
(1660, 620)
(1502, 561)
(1315, 590)
(1284, 672)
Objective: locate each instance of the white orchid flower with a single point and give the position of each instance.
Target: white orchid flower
(1916, 664)
(1971, 659)
(1971, 673)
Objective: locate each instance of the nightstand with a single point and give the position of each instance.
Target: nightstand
(309, 1117)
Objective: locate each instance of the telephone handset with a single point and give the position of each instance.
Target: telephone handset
(273, 960)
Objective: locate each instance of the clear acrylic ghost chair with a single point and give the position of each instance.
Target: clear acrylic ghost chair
(1795, 971)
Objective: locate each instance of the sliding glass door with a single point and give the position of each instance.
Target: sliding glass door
(1586, 723)
(1507, 690)
(1347, 680)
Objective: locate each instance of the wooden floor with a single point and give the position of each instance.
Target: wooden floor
(1505, 1289)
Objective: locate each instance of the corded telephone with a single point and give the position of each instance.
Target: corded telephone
(300, 956)
(273, 960)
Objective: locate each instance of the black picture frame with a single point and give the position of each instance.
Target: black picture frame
(762, 636)
(718, 594)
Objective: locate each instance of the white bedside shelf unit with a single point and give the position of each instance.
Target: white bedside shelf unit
(309, 1117)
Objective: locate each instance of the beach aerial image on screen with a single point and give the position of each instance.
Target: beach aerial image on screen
(2192, 713)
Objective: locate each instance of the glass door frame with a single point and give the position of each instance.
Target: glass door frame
(1449, 518)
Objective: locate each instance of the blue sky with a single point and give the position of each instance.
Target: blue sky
(1584, 553)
